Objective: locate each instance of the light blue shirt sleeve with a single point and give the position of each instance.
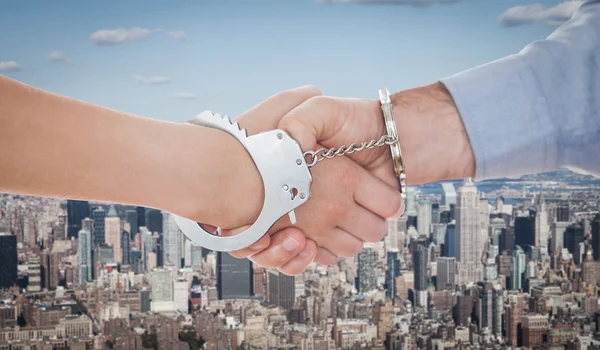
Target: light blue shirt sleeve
(538, 110)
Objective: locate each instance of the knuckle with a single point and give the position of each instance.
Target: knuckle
(336, 210)
(312, 90)
(349, 178)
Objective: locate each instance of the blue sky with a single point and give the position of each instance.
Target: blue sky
(228, 55)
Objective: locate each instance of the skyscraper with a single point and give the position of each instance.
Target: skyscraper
(392, 271)
(131, 216)
(507, 240)
(471, 233)
(573, 236)
(446, 273)
(525, 230)
(84, 256)
(8, 260)
(125, 248)
(450, 241)
(281, 289)
(596, 237)
(155, 221)
(162, 291)
(171, 241)
(76, 212)
(367, 263)
(542, 230)
(112, 228)
(517, 269)
(235, 277)
(424, 218)
(141, 216)
(562, 213)
(98, 215)
(421, 275)
(448, 194)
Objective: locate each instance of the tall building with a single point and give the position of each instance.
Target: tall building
(235, 277)
(125, 249)
(535, 328)
(507, 240)
(392, 271)
(98, 215)
(8, 260)
(181, 295)
(471, 233)
(162, 291)
(141, 216)
(391, 236)
(131, 217)
(367, 262)
(76, 212)
(574, 235)
(525, 230)
(542, 230)
(596, 237)
(446, 273)
(172, 236)
(448, 194)
(84, 256)
(424, 219)
(558, 230)
(112, 229)
(562, 213)
(498, 310)
(155, 221)
(450, 241)
(512, 322)
(517, 269)
(421, 275)
(34, 273)
(281, 289)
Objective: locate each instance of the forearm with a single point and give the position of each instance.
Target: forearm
(58, 147)
(435, 145)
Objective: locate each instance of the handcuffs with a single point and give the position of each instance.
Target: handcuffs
(285, 175)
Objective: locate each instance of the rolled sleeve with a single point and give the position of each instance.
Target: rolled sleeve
(537, 110)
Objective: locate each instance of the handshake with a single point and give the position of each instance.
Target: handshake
(351, 196)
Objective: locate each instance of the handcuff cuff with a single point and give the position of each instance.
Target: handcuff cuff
(285, 173)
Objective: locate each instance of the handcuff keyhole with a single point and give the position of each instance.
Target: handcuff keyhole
(294, 192)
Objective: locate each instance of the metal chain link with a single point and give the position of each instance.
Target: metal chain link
(314, 157)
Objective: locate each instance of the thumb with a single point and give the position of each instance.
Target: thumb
(316, 120)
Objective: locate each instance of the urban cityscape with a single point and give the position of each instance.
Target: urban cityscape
(500, 264)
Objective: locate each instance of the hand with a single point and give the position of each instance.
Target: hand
(347, 207)
(434, 142)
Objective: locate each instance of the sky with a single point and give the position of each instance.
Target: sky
(173, 60)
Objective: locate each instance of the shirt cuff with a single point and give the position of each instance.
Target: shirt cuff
(506, 116)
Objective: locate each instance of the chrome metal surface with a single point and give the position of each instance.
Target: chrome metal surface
(286, 183)
(390, 126)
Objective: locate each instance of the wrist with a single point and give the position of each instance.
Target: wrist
(435, 145)
(223, 187)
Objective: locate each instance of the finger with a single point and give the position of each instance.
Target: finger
(377, 196)
(364, 224)
(285, 246)
(298, 264)
(251, 250)
(266, 115)
(325, 257)
(340, 242)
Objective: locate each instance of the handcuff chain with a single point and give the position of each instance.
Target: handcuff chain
(314, 157)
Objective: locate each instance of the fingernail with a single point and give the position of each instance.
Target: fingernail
(290, 244)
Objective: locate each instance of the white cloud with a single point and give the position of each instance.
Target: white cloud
(538, 13)
(9, 66)
(397, 2)
(184, 96)
(107, 37)
(151, 80)
(178, 35)
(58, 56)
